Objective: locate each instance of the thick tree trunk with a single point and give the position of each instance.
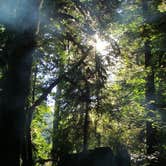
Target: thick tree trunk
(161, 101)
(15, 93)
(27, 159)
(16, 87)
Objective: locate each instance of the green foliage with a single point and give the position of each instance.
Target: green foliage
(41, 132)
(117, 108)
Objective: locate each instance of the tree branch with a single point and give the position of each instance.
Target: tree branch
(57, 80)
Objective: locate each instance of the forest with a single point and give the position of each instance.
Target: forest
(82, 82)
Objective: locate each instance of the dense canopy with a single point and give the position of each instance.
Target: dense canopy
(82, 80)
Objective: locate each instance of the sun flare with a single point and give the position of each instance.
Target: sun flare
(100, 45)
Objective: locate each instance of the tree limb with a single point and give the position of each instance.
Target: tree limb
(57, 80)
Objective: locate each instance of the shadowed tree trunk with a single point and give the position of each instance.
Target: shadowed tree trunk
(15, 92)
(151, 140)
(150, 98)
(161, 101)
(55, 141)
(16, 86)
(27, 158)
(86, 118)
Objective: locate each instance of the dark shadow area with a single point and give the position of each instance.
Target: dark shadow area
(102, 156)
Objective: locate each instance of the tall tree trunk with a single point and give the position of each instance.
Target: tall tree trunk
(56, 154)
(27, 158)
(161, 101)
(86, 126)
(15, 93)
(151, 141)
(26, 155)
(86, 118)
(150, 99)
(17, 83)
(55, 141)
(97, 134)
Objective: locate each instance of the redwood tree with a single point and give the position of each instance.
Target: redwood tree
(22, 30)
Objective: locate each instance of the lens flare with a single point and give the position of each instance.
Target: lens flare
(100, 45)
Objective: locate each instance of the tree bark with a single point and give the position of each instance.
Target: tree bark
(27, 158)
(15, 92)
(86, 119)
(55, 141)
(20, 47)
(150, 98)
(85, 131)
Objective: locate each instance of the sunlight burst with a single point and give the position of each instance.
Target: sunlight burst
(100, 45)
